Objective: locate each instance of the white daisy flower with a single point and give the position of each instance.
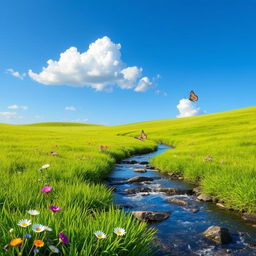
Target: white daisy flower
(38, 228)
(54, 249)
(24, 223)
(100, 235)
(45, 166)
(33, 212)
(119, 231)
(47, 228)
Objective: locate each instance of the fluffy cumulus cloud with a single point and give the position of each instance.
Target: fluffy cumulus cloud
(187, 108)
(99, 67)
(70, 108)
(18, 107)
(144, 84)
(16, 73)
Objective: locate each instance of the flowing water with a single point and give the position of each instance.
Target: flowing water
(181, 233)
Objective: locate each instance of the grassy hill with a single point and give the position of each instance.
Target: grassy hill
(60, 124)
(228, 138)
(76, 173)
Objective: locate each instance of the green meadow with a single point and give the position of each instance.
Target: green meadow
(76, 173)
(216, 150)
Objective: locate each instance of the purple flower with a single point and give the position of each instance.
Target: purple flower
(63, 238)
(36, 251)
(27, 236)
(6, 246)
(54, 208)
(46, 189)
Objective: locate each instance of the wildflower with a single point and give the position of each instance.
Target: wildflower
(16, 242)
(47, 228)
(63, 238)
(6, 246)
(208, 158)
(36, 251)
(27, 236)
(33, 212)
(54, 249)
(100, 235)
(38, 228)
(103, 147)
(45, 166)
(24, 223)
(54, 208)
(11, 230)
(119, 231)
(54, 153)
(38, 243)
(46, 189)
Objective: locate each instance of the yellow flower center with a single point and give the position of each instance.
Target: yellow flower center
(38, 229)
(24, 224)
(119, 232)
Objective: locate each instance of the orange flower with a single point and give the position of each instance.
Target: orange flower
(38, 243)
(16, 242)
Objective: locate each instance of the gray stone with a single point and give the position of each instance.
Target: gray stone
(218, 234)
(174, 191)
(140, 170)
(197, 190)
(222, 206)
(194, 210)
(137, 190)
(139, 179)
(205, 198)
(249, 217)
(144, 162)
(151, 216)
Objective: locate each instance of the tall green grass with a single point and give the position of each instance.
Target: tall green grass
(75, 174)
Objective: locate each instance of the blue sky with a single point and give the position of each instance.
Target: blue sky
(181, 45)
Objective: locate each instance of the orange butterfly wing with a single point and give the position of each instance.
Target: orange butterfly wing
(193, 96)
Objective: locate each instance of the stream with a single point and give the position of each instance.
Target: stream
(181, 233)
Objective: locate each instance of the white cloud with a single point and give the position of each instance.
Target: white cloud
(161, 93)
(98, 67)
(17, 107)
(16, 73)
(8, 115)
(71, 108)
(187, 108)
(144, 85)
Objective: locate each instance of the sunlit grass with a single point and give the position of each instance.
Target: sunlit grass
(229, 138)
(76, 175)
(77, 171)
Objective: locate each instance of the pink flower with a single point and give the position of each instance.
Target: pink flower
(103, 147)
(63, 238)
(46, 189)
(54, 208)
(54, 153)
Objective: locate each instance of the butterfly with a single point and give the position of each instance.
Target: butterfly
(193, 96)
